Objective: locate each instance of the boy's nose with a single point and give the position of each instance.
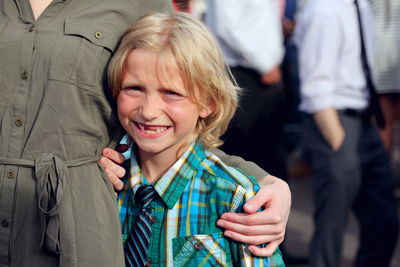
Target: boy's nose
(151, 108)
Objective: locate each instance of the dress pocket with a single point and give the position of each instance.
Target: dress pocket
(82, 51)
(201, 250)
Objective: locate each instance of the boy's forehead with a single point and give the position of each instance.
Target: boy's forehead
(146, 62)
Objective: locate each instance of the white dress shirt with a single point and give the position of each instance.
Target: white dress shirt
(328, 38)
(387, 36)
(248, 31)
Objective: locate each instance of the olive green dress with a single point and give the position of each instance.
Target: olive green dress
(57, 208)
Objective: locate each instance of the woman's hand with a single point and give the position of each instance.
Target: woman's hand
(111, 162)
(267, 226)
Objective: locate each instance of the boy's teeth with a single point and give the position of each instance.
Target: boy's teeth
(152, 130)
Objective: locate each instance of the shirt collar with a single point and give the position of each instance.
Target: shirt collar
(171, 184)
(26, 14)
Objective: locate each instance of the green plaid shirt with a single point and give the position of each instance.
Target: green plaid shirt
(194, 193)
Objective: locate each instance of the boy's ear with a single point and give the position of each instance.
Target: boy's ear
(206, 111)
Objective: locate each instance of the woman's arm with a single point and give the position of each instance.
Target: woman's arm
(251, 227)
(238, 162)
(266, 226)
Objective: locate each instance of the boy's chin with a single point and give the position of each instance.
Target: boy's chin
(149, 149)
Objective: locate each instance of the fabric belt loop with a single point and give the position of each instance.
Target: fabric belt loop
(51, 188)
(51, 173)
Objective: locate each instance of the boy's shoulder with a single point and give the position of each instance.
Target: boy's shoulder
(218, 172)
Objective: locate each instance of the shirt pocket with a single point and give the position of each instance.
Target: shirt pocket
(201, 250)
(82, 52)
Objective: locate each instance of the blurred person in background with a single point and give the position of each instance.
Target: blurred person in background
(291, 85)
(250, 35)
(251, 38)
(387, 65)
(350, 166)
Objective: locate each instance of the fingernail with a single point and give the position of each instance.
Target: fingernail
(223, 216)
(248, 206)
(220, 223)
(227, 234)
(251, 249)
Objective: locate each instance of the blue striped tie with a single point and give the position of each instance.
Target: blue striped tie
(137, 244)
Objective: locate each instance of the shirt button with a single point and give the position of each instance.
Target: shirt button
(31, 28)
(10, 174)
(98, 35)
(4, 223)
(198, 245)
(153, 220)
(24, 75)
(18, 122)
(148, 263)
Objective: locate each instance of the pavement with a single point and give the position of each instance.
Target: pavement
(300, 225)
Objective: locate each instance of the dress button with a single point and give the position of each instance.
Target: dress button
(4, 223)
(24, 75)
(18, 122)
(198, 245)
(98, 35)
(10, 174)
(31, 28)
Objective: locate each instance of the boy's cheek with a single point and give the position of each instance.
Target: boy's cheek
(124, 106)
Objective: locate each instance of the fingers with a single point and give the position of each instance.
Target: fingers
(112, 167)
(253, 240)
(115, 180)
(262, 197)
(113, 155)
(266, 251)
(113, 171)
(274, 227)
(260, 218)
(272, 76)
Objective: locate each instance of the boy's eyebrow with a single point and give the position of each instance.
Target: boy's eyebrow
(166, 88)
(173, 88)
(180, 90)
(130, 83)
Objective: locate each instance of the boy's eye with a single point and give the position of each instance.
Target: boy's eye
(167, 92)
(133, 89)
(173, 94)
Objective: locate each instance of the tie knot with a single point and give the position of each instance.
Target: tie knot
(145, 194)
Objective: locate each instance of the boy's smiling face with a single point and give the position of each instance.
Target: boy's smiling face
(154, 108)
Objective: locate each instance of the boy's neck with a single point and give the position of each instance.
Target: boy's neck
(154, 165)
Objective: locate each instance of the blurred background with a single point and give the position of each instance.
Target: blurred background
(269, 69)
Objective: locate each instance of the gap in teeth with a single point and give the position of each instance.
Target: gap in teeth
(146, 130)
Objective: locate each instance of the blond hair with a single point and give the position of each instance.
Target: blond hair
(184, 39)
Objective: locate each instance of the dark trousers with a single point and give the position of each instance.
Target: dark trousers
(356, 177)
(256, 132)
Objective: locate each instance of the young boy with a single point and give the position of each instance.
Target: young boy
(175, 99)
